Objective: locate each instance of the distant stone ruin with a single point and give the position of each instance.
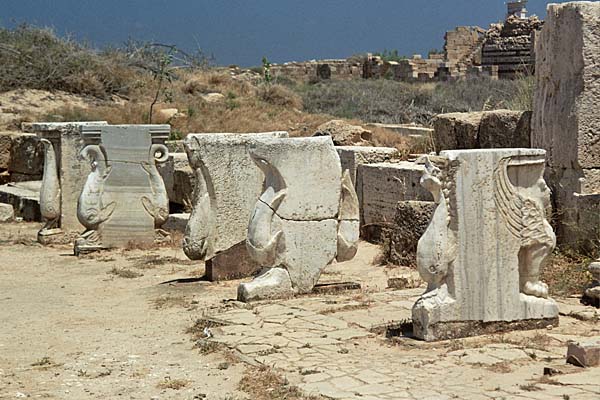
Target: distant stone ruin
(504, 50)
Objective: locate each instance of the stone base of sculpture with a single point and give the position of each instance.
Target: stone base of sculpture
(273, 283)
(50, 236)
(456, 330)
(437, 317)
(486, 244)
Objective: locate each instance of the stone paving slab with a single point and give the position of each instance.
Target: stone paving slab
(323, 344)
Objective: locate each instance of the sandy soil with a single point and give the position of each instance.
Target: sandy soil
(70, 329)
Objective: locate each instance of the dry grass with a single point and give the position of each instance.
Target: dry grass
(125, 273)
(279, 95)
(566, 273)
(170, 301)
(175, 384)
(149, 261)
(263, 383)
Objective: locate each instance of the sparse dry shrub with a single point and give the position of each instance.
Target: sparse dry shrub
(262, 383)
(279, 95)
(35, 58)
(217, 78)
(393, 102)
(196, 86)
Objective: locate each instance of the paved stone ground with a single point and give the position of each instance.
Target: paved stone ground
(331, 345)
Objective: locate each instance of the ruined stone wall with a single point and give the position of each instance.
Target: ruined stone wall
(462, 47)
(318, 70)
(509, 46)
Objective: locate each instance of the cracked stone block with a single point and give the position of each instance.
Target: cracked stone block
(306, 217)
(565, 118)
(228, 183)
(584, 353)
(124, 197)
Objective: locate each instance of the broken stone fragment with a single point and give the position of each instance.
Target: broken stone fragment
(585, 353)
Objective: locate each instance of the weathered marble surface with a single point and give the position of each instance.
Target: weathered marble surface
(124, 198)
(488, 238)
(306, 217)
(565, 120)
(228, 184)
(65, 138)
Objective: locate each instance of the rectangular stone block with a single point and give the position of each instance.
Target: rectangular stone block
(584, 353)
(124, 198)
(565, 113)
(384, 185)
(24, 197)
(488, 239)
(6, 139)
(456, 130)
(233, 263)
(179, 180)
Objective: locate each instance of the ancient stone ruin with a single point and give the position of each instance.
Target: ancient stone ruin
(488, 238)
(305, 218)
(124, 200)
(63, 175)
(565, 116)
(227, 186)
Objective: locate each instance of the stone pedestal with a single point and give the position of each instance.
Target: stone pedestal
(64, 146)
(482, 252)
(124, 198)
(228, 183)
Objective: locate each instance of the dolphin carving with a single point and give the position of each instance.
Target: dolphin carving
(90, 210)
(264, 239)
(157, 205)
(50, 206)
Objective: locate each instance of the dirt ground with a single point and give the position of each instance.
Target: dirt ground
(115, 325)
(71, 329)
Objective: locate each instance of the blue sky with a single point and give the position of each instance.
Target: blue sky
(242, 31)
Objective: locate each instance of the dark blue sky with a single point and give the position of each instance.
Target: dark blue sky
(242, 31)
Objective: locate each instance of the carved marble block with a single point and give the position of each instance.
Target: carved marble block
(63, 176)
(228, 184)
(482, 252)
(124, 198)
(306, 217)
